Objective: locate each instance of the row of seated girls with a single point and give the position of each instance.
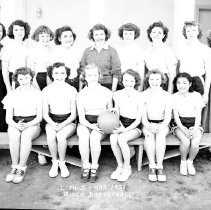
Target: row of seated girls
(97, 75)
(148, 112)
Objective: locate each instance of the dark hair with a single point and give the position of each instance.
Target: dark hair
(160, 25)
(20, 23)
(134, 74)
(59, 31)
(57, 65)
(189, 24)
(183, 75)
(209, 37)
(3, 31)
(129, 27)
(155, 71)
(40, 30)
(22, 71)
(99, 27)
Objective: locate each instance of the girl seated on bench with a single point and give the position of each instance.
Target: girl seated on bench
(91, 101)
(156, 118)
(23, 116)
(59, 111)
(187, 108)
(129, 105)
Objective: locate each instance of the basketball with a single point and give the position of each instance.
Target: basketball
(108, 121)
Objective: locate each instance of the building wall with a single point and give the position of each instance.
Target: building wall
(82, 14)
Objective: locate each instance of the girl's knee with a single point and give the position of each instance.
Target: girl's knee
(113, 139)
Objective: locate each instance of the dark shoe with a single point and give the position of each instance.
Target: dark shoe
(93, 175)
(85, 175)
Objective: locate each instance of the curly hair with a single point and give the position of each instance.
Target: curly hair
(40, 30)
(20, 23)
(22, 71)
(129, 27)
(3, 31)
(99, 27)
(158, 24)
(155, 71)
(209, 37)
(59, 31)
(134, 74)
(189, 24)
(57, 65)
(183, 75)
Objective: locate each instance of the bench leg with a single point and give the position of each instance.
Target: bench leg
(139, 156)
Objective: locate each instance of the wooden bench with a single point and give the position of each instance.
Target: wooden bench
(138, 143)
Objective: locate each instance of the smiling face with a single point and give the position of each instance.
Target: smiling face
(18, 32)
(44, 38)
(128, 81)
(24, 80)
(192, 32)
(155, 80)
(67, 38)
(92, 75)
(99, 36)
(128, 35)
(183, 85)
(157, 34)
(59, 74)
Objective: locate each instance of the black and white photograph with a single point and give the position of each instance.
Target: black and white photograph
(105, 104)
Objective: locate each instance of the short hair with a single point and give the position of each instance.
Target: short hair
(59, 31)
(3, 31)
(134, 74)
(158, 24)
(129, 27)
(99, 27)
(189, 24)
(155, 71)
(209, 37)
(57, 65)
(22, 71)
(90, 66)
(20, 23)
(40, 30)
(183, 75)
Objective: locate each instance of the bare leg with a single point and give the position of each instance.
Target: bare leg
(14, 144)
(51, 140)
(161, 146)
(95, 146)
(149, 144)
(26, 142)
(194, 147)
(83, 135)
(184, 145)
(62, 136)
(116, 149)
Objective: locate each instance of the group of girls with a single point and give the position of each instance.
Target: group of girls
(103, 76)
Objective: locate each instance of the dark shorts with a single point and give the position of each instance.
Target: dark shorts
(127, 122)
(91, 118)
(155, 121)
(23, 119)
(41, 79)
(198, 85)
(59, 118)
(187, 121)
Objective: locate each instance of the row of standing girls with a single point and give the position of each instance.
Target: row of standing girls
(148, 112)
(194, 57)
